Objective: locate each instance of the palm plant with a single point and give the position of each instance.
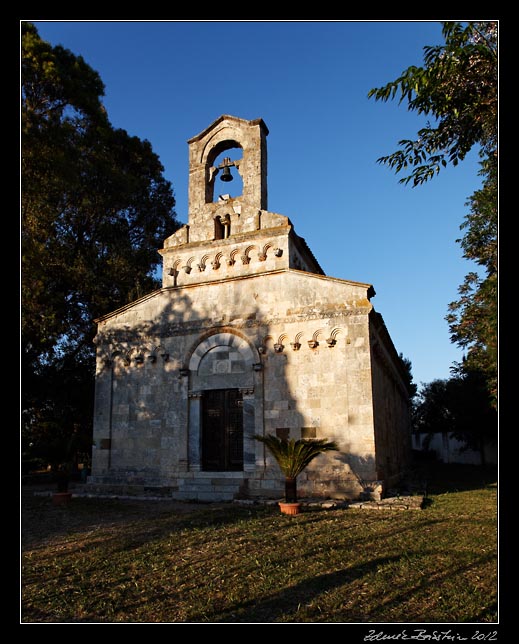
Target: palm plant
(293, 456)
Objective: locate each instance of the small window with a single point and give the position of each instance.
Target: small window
(218, 228)
(222, 227)
(283, 432)
(308, 432)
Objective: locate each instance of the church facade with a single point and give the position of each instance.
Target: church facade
(247, 336)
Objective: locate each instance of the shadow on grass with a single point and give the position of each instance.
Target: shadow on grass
(289, 600)
(286, 604)
(135, 522)
(433, 477)
(421, 588)
(41, 521)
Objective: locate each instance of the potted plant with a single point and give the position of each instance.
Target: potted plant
(63, 453)
(293, 456)
(62, 477)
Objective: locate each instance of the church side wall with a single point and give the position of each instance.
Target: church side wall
(391, 410)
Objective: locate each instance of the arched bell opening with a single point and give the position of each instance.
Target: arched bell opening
(223, 172)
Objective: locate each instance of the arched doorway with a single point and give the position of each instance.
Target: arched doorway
(222, 404)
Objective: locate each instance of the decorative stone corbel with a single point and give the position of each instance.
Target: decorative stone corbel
(203, 261)
(245, 257)
(332, 340)
(279, 346)
(174, 272)
(232, 261)
(313, 343)
(296, 345)
(262, 256)
(216, 262)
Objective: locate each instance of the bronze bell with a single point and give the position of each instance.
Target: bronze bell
(226, 174)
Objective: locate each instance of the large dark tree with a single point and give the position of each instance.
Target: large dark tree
(457, 87)
(95, 209)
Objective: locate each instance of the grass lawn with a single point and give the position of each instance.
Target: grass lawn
(100, 560)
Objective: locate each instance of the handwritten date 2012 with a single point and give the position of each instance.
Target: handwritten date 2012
(423, 635)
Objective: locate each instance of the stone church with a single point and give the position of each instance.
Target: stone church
(246, 336)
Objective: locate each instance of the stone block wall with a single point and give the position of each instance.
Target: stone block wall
(225, 133)
(306, 370)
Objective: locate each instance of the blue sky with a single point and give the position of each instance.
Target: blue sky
(166, 81)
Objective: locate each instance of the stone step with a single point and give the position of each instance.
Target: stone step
(113, 489)
(206, 497)
(208, 489)
(193, 487)
(203, 489)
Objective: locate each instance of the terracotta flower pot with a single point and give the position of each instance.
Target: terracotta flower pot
(289, 508)
(61, 498)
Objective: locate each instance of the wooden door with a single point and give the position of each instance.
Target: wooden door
(222, 431)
